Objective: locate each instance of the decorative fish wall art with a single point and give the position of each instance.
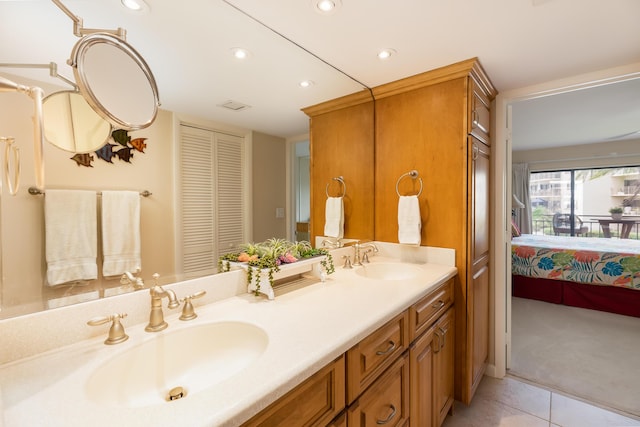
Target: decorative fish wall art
(123, 149)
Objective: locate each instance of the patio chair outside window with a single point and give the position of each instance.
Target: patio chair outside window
(562, 224)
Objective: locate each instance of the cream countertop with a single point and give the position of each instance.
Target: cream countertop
(307, 327)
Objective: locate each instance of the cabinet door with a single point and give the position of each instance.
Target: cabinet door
(478, 283)
(421, 367)
(480, 194)
(443, 361)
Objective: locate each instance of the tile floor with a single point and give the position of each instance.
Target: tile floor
(510, 402)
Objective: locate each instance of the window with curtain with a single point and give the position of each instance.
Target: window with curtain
(570, 202)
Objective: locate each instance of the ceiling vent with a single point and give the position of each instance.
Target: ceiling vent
(234, 106)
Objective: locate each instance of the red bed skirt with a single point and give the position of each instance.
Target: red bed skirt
(604, 298)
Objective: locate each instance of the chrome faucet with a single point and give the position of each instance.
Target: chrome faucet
(360, 255)
(156, 317)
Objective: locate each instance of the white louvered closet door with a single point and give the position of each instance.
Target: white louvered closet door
(210, 198)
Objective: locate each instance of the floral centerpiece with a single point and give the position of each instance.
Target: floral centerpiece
(268, 256)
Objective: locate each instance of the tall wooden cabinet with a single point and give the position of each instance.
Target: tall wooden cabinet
(437, 123)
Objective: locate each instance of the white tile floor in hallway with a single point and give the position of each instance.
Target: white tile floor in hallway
(509, 402)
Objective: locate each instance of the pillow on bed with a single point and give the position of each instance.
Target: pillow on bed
(515, 231)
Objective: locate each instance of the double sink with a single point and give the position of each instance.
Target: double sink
(175, 365)
(239, 355)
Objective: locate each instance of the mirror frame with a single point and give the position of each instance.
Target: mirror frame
(77, 62)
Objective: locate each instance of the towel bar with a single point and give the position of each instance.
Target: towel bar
(413, 174)
(34, 191)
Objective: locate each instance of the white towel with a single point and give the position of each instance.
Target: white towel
(334, 218)
(409, 221)
(70, 236)
(120, 232)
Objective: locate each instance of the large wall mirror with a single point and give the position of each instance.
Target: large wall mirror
(263, 80)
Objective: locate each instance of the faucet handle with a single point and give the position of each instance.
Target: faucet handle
(116, 331)
(187, 311)
(365, 256)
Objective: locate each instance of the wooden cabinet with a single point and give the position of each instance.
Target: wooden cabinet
(385, 379)
(477, 337)
(421, 366)
(315, 402)
(431, 359)
(479, 112)
(371, 356)
(439, 124)
(339, 421)
(386, 402)
(426, 123)
(423, 313)
(443, 362)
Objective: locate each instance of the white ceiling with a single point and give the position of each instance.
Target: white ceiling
(519, 43)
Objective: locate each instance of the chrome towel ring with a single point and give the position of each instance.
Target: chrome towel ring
(413, 174)
(340, 179)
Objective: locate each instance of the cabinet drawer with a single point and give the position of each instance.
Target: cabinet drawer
(386, 402)
(315, 402)
(423, 313)
(367, 359)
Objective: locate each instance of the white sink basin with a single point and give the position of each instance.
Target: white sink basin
(194, 358)
(389, 271)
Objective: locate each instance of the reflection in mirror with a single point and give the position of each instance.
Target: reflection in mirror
(268, 85)
(72, 125)
(115, 80)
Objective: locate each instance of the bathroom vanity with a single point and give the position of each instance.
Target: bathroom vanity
(369, 343)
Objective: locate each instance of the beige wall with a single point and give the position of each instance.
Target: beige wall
(613, 153)
(22, 225)
(269, 186)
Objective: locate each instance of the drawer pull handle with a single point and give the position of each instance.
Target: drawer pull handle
(438, 304)
(389, 418)
(443, 333)
(392, 346)
(437, 344)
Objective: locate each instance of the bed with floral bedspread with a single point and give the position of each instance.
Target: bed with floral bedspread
(564, 269)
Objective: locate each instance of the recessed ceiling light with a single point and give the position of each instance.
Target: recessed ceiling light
(135, 5)
(386, 53)
(240, 53)
(326, 7)
(306, 83)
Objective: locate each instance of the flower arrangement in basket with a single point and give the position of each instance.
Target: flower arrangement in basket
(269, 256)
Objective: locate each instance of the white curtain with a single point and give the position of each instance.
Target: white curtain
(520, 187)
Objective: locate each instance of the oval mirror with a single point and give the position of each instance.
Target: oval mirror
(115, 80)
(71, 124)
